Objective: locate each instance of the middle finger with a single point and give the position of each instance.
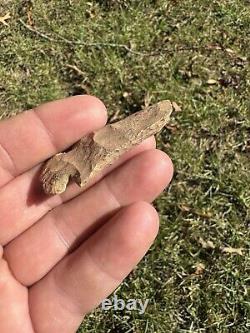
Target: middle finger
(30, 203)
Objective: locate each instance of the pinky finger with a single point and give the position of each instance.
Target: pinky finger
(84, 278)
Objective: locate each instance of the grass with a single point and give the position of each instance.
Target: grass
(197, 55)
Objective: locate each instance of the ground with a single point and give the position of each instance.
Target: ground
(130, 54)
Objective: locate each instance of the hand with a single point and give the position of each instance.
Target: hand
(60, 256)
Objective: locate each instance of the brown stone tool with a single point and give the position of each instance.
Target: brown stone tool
(94, 152)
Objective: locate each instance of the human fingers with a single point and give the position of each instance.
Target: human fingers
(92, 272)
(36, 251)
(34, 135)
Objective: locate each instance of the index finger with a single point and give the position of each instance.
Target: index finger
(35, 135)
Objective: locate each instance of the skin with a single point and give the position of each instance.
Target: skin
(61, 255)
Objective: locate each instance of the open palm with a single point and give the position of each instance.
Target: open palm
(61, 255)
